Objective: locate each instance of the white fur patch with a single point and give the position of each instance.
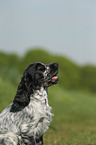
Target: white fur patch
(32, 121)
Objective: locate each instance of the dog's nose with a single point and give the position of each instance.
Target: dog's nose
(54, 66)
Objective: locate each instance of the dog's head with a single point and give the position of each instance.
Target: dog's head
(41, 75)
(35, 76)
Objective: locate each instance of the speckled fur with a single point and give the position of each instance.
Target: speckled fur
(32, 121)
(25, 121)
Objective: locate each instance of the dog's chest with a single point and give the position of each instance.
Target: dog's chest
(38, 106)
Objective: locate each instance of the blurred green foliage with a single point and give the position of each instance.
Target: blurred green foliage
(74, 120)
(10, 67)
(72, 76)
(88, 77)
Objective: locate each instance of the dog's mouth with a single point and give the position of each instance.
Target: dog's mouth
(52, 77)
(53, 80)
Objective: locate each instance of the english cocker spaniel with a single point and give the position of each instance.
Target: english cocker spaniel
(25, 121)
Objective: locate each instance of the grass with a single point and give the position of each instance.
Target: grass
(74, 121)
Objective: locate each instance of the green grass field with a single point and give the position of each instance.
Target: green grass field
(74, 121)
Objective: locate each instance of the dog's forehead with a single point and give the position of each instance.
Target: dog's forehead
(32, 67)
(43, 64)
(39, 63)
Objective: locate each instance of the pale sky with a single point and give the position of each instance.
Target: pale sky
(66, 27)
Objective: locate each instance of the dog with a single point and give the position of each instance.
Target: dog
(25, 121)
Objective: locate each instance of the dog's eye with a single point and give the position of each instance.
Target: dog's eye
(40, 68)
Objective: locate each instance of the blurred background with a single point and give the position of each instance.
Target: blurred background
(61, 31)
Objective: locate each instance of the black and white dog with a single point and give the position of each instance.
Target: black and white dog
(26, 120)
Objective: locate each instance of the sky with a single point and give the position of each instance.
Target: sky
(63, 27)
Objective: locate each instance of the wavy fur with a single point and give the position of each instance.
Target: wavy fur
(25, 121)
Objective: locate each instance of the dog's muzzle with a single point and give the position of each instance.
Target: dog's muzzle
(51, 78)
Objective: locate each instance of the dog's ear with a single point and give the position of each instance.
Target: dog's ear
(22, 96)
(27, 85)
(25, 88)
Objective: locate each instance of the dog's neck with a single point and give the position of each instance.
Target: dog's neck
(40, 95)
(40, 102)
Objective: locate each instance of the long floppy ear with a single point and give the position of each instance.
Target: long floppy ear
(24, 89)
(22, 96)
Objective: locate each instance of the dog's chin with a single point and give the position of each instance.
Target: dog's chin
(51, 81)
